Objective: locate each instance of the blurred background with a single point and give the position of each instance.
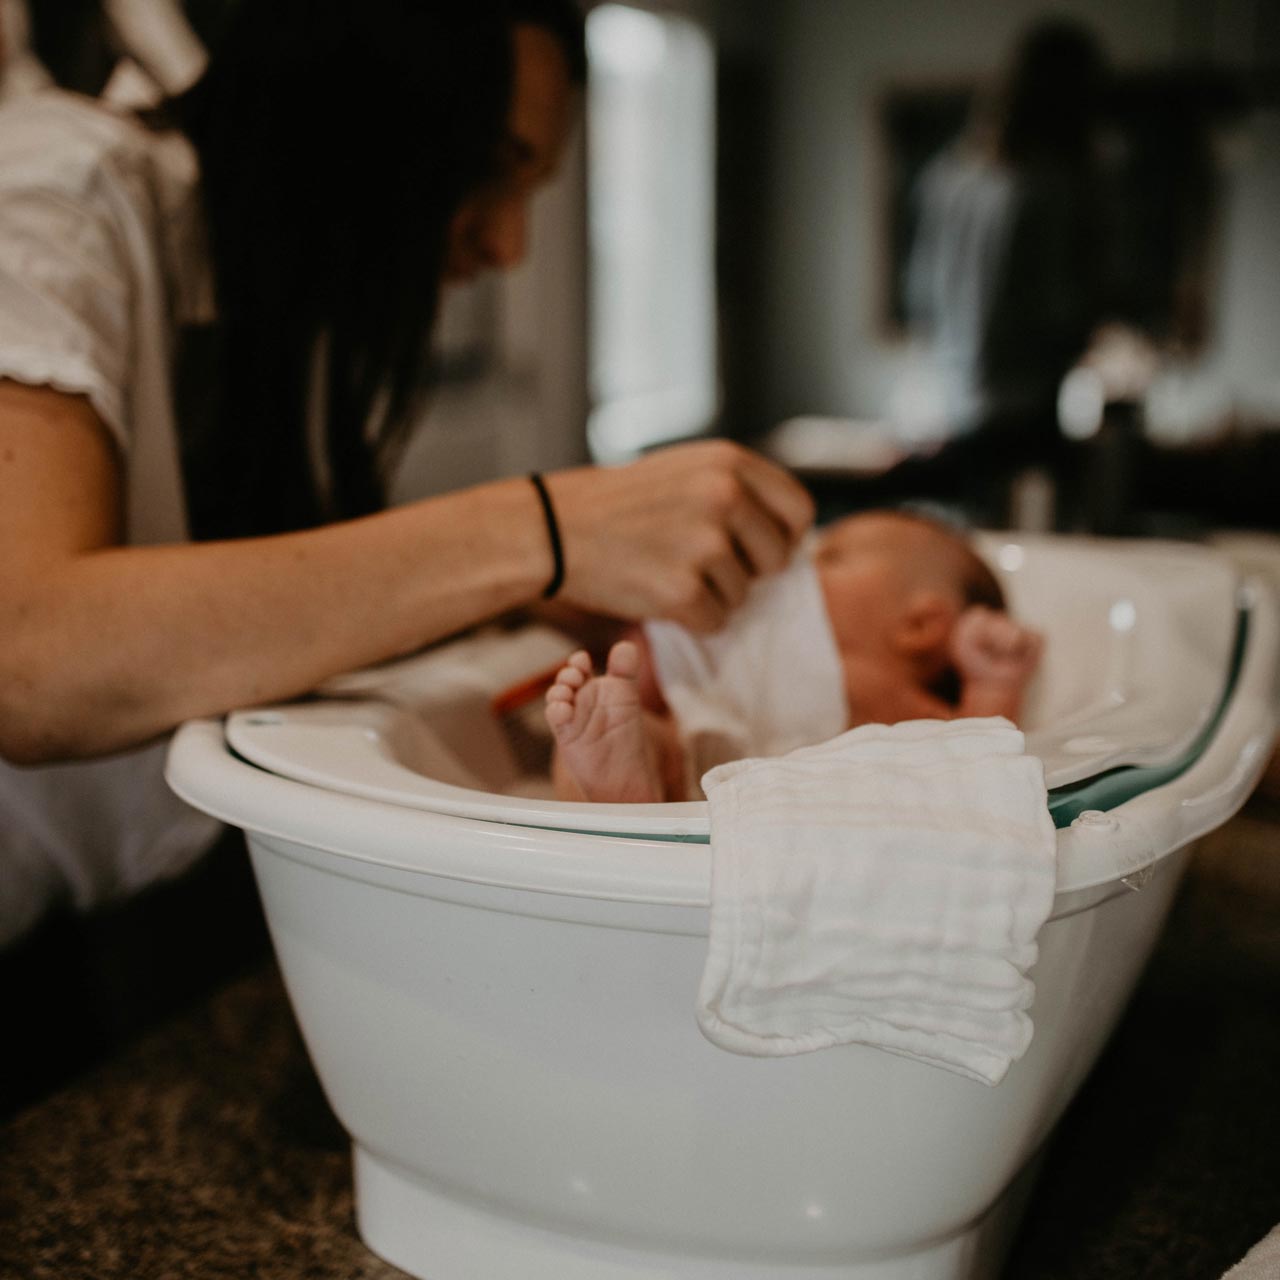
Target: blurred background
(1020, 261)
(1016, 259)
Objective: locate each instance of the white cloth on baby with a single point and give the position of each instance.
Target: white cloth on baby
(769, 681)
(883, 888)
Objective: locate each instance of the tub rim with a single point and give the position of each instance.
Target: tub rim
(1096, 849)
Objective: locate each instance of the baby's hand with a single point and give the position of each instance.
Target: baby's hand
(988, 648)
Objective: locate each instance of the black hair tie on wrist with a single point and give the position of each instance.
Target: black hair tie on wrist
(553, 536)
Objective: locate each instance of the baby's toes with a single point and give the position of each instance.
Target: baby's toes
(559, 712)
(571, 678)
(624, 660)
(561, 692)
(562, 699)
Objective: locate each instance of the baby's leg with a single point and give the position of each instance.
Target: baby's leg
(608, 748)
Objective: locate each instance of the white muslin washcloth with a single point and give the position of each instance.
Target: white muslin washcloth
(883, 888)
(768, 682)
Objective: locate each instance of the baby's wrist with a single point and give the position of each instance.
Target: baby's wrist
(1002, 679)
(995, 682)
(991, 699)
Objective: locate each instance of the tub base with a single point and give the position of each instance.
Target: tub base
(436, 1237)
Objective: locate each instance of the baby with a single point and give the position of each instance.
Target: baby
(919, 625)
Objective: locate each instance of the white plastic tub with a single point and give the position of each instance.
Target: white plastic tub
(498, 991)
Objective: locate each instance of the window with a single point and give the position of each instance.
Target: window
(651, 191)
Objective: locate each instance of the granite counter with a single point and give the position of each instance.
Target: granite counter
(207, 1150)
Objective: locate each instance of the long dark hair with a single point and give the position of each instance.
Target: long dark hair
(337, 139)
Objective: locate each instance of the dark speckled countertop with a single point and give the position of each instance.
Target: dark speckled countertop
(206, 1149)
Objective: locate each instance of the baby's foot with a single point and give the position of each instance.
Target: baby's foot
(599, 728)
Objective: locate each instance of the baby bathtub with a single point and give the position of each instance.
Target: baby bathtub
(497, 990)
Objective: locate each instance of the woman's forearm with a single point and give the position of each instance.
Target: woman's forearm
(110, 647)
(103, 645)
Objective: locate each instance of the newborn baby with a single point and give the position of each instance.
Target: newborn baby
(921, 633)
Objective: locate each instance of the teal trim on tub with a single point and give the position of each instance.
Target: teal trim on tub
(1115, 786)
(1102, 791)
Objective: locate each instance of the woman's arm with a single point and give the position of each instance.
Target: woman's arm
(104, 646)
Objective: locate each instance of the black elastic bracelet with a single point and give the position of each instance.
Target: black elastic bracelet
(553, 535)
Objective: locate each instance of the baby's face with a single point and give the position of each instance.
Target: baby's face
(863, 593)
(892, 610)
(893, 655)
(876, 569)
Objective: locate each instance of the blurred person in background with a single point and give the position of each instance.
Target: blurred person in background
(1003, 279)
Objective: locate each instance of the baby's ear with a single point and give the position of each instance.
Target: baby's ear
(925, 623)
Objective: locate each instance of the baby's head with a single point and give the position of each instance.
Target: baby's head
(895, 585)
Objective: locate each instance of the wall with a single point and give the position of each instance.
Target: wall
(1248, 313)
(819, 175)
(798, 229)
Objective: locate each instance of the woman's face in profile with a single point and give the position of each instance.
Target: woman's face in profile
(490, 229)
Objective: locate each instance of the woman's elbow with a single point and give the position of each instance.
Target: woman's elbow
(31, 731)
(18, 747)
(51, 719)
(23, 742)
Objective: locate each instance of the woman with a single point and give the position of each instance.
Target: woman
(215, 322)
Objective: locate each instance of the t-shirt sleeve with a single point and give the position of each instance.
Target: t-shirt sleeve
(65, 300)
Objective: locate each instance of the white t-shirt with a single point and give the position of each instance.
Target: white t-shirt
(101, 260)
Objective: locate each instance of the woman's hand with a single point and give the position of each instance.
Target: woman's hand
(105, 646)
(678, 534)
